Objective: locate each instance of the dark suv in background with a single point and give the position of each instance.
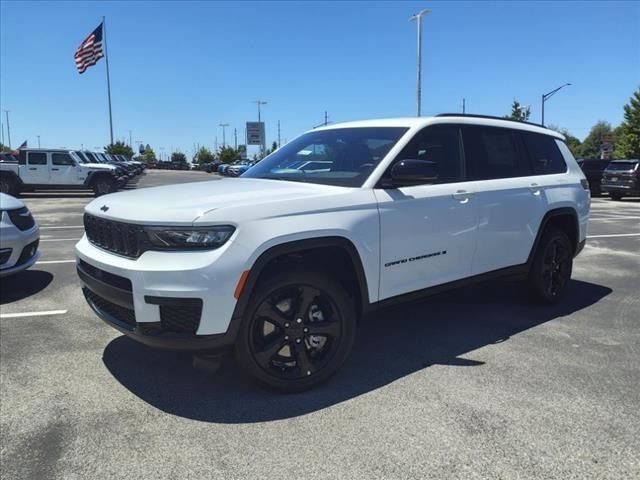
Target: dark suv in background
(621, 178)
(593, 168)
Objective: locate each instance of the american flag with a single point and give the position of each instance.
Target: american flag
(90, 50)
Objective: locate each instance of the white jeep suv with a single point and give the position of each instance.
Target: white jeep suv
(281, 264)
(19, 236)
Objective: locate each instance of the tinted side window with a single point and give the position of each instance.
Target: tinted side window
(492, 153)
(439, 144)
(36, 158)
(545, 155)
(61, 159)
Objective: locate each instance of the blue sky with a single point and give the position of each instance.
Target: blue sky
(178, 69)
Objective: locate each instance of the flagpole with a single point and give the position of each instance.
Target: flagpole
(106, 57)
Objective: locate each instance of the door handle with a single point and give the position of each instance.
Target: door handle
(463, 196)
(55, 169)
(32, 168)
(535, 188)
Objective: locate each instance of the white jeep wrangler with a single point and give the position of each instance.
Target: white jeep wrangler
(281, 264)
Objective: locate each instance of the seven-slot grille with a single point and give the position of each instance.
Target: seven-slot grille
(121, 238)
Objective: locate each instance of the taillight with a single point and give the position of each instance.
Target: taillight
(584, 183)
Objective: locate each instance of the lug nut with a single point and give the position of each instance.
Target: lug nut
(298, 340)
(305, 330)
(299, 320)
(308, 372)
(286, 337)
(286, 325)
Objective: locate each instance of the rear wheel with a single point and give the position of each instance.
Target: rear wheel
(615, 196)
(552, 265)
(298, 330)
(103, 185)
(9, 186)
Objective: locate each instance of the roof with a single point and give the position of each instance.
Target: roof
(419, 122)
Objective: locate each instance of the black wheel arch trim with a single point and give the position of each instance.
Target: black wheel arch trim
(556, 212)
(295, 246)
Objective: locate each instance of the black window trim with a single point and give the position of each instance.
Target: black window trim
(62, 164)
(530, 158)
(46, 162)
(383, 181)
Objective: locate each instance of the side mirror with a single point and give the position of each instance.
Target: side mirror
(414, 172)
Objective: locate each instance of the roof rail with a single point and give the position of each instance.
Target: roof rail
(490, 117)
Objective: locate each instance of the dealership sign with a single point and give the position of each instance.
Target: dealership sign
(255, 133)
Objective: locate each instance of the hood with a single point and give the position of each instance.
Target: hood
(7, 202)
(184, 203)
(99, 166)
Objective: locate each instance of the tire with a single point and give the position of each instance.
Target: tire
(276, 342)
(9, 186)
(103, 185)
(552, 265)
(595, 190)
(615, 196)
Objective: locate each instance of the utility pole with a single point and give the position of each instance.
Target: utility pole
(278, 133)
(130, 143)
(418, 17)
(38, 140)
(464, 106)
(224, 126)
(235, 139)
(545, 97)
(8, 129)
(263, 146)
(326, 118)
(2, 132)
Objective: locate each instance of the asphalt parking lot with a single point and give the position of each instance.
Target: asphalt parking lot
(477, 383)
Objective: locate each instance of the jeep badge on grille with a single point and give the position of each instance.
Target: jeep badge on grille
(104, 208)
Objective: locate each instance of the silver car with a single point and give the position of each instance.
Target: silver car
(19, 236)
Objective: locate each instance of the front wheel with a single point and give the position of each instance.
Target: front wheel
(103, 185)
(552, 266)
(298, 330)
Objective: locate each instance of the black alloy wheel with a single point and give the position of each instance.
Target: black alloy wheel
(298, 332)
(552, 266)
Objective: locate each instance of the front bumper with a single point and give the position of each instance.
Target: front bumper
(18, 249)
(174, 300)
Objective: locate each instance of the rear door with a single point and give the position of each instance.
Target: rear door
(511, 202)
(36, 168)
(428, 232)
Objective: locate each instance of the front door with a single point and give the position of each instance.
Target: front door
(428, 232)
(63, 169)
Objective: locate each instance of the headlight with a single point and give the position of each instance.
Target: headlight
(186, 238)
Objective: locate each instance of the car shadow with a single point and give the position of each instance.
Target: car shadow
(56, 194)
(22, 285)
(392, 344)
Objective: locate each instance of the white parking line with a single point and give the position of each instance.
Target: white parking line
(47, 227)
(59, 240)
(615, 218)
(45, 262)
(32, 314)
(615, 235)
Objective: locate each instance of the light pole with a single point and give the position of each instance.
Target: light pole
(418, 18)
(8, 131)
(546, 96)
(262, 147)
(130, 143)
(224, 137)
(38, 140)
(235, 139)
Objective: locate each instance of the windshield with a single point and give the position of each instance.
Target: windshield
(623, 166)
(341, 156)
(77, 157)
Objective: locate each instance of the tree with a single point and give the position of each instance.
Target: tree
(204, 155)
(600, 133)
(573, 143)
(119, 148)
(628, 145)
(178, 157)
(228, 155)
(4, 148)
(149, 155)
(519, 112)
